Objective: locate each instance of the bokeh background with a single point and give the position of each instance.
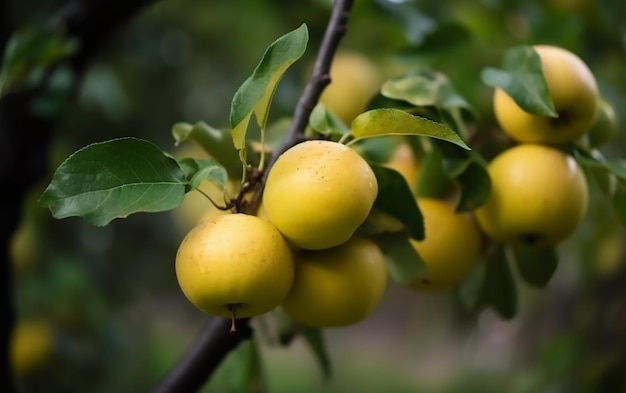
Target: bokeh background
(101, 307)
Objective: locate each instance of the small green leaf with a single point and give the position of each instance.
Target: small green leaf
(469, 291)
(29, 52)
(536, 265)
(426, 88)
(242, 370)
(433, 180)
(256, 92)
(390, 121)
(395, 198)
(217, 143)
(326, 123)
(594, 161)
(314, 337)
(499, 290)
(403, 262)
(113, 179)
(521, 77)
(197, 170)
(474, 183)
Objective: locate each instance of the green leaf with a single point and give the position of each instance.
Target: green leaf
(433, 180)
(469, 291)
(242, 370)
(521, 77)
(389, 121)
(403, 262)
(499, 290)
(395, 198)
(256, 92)
(595, 162)
(29, 52)
(536, 265)
(326, 123)
(473, 180)
(426, 88)
(217, 143)
(314, 337)
(113, 179)
(197, 170)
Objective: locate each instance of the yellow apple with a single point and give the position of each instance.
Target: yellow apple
(404, 161)
(354, 81)
(318, 193)
(234, 265)
(451, 247)
(538, 196)
(31, 346)
(338, 286)
(574, 92)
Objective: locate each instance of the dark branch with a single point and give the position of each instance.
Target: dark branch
(206, 354)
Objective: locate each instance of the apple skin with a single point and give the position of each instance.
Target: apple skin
(575, 95)
(538, 196)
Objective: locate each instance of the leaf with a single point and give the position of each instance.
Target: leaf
(499, 290)
(113, 179)
(521, 77)
(29, 52)
(217, 143)
(469, 291)
(403, 262)
(473, 180)
(242, 370)
(433, 180)
(326, 123)
(594, 161)
(197, 170)
(256, 92)
(395, 198)
(314, 337)
(426, 88)
(535, 265)
(390, 121)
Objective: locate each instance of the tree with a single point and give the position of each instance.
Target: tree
(442, 108)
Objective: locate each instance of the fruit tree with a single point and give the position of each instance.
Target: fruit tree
(411, 195)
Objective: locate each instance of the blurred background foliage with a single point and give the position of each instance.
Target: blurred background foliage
(100, 309)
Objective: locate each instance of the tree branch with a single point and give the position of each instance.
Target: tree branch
(216, 341)
(206, 354)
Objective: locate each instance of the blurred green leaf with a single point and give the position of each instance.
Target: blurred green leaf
(445, 37)
(403, 262)
(217, 143)
(395, 198)
(388, 121)
(536, 265)
(326, 123)
(594, 161)
(425, 88)
(242, 370)
(521, 77)
(473, 180)
(29, 52)
(433, 180)
(314, 337)
(197, 170)
(499, 290)
(256, 92)
(469, 291)
(113, 179)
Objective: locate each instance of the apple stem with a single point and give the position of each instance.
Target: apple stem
(233, 317)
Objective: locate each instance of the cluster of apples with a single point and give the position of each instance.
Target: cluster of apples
(299, 252)
(539, 193)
